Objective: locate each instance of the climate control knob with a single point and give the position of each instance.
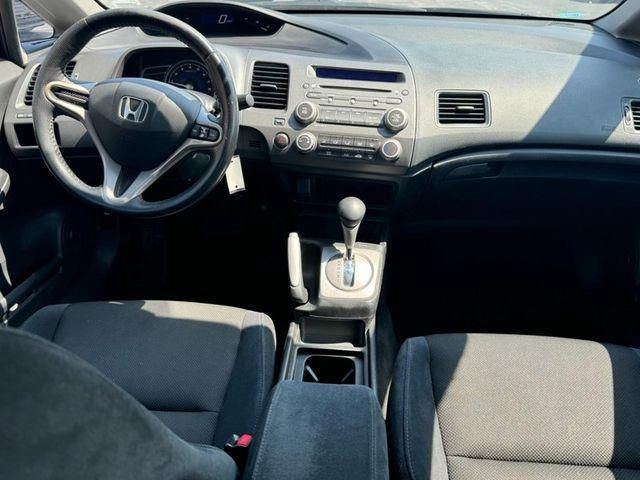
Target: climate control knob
(306, 112)
(390, 150)
(396, 119)
(306, 142)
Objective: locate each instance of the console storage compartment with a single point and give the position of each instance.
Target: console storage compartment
(319, 432)
(322, 350)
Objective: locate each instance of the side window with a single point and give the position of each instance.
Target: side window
(31, 27)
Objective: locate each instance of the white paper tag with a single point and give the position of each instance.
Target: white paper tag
(235, 178)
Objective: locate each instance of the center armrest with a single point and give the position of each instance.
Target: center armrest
(320, 431)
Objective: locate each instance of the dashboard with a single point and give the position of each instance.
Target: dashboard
(385, 96)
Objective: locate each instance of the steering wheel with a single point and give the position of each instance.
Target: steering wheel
(141, 128)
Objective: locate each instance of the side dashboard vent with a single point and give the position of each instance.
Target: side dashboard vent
(28, 95)
(270, 85)
(463, 108)
(68, 70)
(634, 106)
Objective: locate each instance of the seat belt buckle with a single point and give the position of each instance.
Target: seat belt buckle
(237, 447)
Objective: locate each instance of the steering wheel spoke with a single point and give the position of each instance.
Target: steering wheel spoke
(69, 98)
(125, 186)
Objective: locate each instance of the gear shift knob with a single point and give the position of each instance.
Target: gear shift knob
(351, 211)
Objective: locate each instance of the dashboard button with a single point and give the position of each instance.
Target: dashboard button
(358, 117)
(281, 140)
(335, 141)
(306, 142)
(306, 112)
(347, 141)
(315, 95)
(396, 119)
(394, 101)
(324, 139)
(373, 143)
(360, 142)
(326, 152)
(328, 115)
(373, 119)
(343, 117)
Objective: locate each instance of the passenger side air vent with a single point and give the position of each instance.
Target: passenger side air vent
(28, 96)
(634, 105)
(270, 85)
(68, 70)
(462, 108)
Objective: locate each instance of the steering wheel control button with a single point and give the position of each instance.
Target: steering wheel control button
(306, 143)
(200, 132)
(306, 112)
(396, 119)
(203, 132)
(213, 135)
(281, 140)
(391, 150)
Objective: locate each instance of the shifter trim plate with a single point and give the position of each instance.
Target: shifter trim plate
(329, 290)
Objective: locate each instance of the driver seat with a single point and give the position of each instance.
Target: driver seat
(203, 370)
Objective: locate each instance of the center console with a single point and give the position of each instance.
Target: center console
(335, 289)
(319, 432)
(350, 120)
(339, 114)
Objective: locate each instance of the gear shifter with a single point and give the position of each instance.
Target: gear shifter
(351, 211)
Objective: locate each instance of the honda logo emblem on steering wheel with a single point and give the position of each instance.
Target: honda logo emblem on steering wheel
(133, 109)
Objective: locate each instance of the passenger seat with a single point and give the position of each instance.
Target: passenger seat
(466, 407)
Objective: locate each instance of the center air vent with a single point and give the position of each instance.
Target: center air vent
(462, 108)
(270, 85)
(635, 114)
(28, 95)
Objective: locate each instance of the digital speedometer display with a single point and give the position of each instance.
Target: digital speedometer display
(190, 75)
(224, 21)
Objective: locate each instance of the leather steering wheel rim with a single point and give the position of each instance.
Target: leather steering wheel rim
(47, 106)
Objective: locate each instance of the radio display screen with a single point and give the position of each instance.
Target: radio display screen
(361, 75)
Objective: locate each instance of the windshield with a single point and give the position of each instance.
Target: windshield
(561, 9)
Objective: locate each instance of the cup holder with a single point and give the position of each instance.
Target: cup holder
(328, 369)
